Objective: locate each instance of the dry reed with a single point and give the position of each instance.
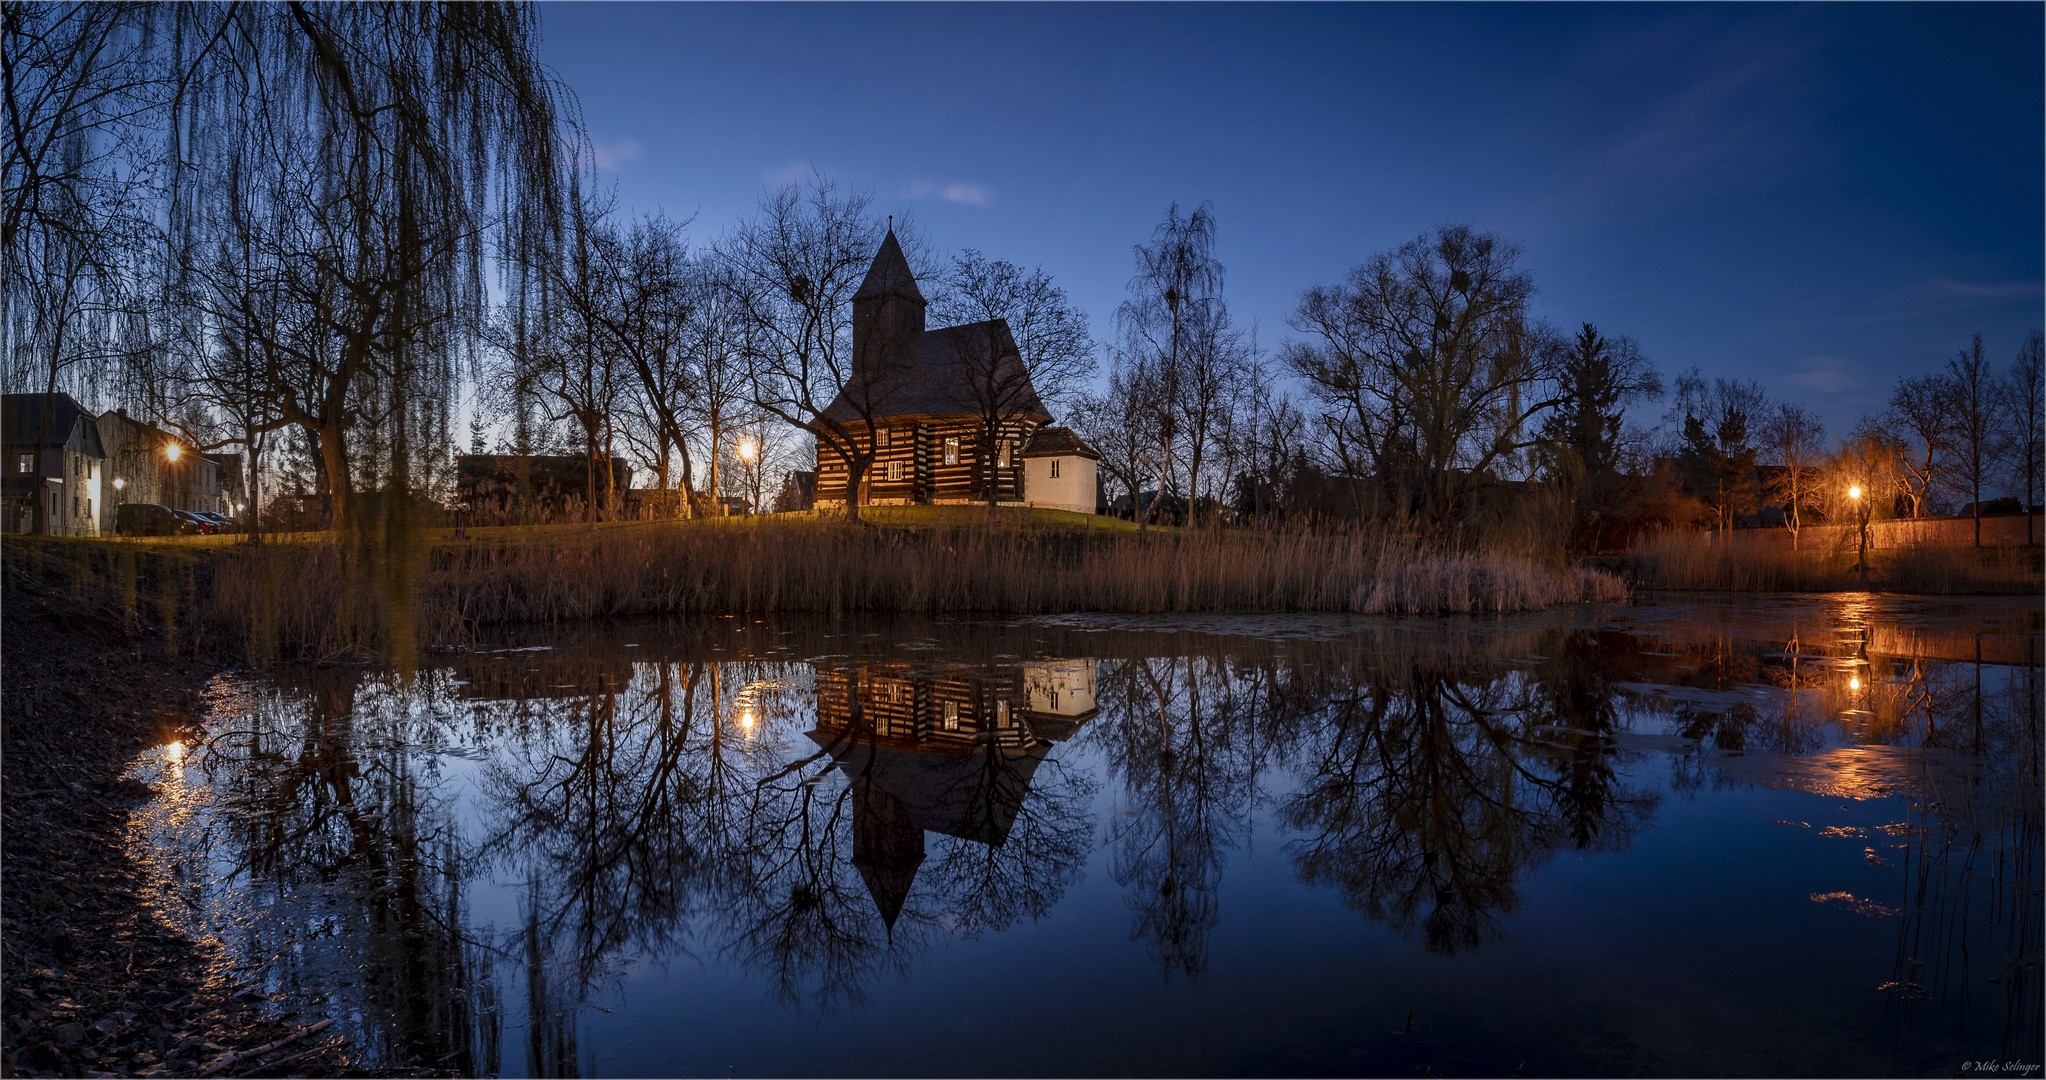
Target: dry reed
(1739, 563)
(308, 600)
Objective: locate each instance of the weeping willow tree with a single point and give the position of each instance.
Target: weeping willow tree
(359, 162)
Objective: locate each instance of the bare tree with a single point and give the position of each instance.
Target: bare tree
(1797, 440)
(2024, 423)
(1971, 389)
(1922, 406)
(1020, 342)
(793, 271)
(1178, 282)
(1120, 422)
(1427, 366)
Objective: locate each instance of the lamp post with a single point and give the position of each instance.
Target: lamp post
(749, 454)
(1861, 519)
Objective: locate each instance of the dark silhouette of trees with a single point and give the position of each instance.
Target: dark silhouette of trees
(1583, 438)
(2023, 401)
(1428, 368)
(1716, 455)
(1971, 393)
(1923, 406)
(1797, 440)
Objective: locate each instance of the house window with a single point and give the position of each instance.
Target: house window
(1001, 714)
(951, 721)
(952, 451)
(1003, 453)
(1054, 700)
(1054, 468)
(895, 470)
(881, 438)
(25, 463)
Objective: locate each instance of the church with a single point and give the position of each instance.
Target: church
(912, 398)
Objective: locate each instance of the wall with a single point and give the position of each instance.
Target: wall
(1072, 490)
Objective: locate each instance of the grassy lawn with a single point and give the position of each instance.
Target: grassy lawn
(894, 517)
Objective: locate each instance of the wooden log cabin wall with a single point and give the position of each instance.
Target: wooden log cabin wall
(929, 460)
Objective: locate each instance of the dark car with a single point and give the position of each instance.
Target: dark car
(149, 519)
(221, 522)
(199, 524)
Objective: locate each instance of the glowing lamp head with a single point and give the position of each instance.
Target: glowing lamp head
(746, 718)
(173, 451)
(119, 483)
(1854, 682)
(1854, 492)
(748, 450)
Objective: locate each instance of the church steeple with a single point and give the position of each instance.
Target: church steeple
(888, 308)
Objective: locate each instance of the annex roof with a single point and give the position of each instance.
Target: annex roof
(1058, 442)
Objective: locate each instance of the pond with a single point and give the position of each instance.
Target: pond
(1781, 835)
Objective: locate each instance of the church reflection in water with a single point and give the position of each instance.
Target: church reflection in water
(941, 751)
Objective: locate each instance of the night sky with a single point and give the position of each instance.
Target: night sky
(1818, 197)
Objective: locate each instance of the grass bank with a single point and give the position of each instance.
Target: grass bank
(326, 597)
(1739, 563)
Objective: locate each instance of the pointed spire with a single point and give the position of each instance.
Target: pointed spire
(890, 272)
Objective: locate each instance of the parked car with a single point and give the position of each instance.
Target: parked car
(199, 524)
(149, 519)
(221, 522)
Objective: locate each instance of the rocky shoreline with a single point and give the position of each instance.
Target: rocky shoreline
(94, 982)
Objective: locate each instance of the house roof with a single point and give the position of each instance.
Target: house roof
(21, 421)
(889, 273)
(932, 373)
(1056, 442)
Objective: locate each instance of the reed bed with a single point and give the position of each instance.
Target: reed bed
(1738, 563)
(321, 599)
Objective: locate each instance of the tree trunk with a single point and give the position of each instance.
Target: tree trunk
(333, 440)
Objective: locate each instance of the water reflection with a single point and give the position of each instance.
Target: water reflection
(472, 860)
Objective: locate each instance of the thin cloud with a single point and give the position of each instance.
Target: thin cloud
(1936, 296)
(1826, 375)
(952, 192)
(613, 156)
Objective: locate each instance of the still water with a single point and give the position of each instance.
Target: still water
(1774, 836)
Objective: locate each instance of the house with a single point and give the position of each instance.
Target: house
(146, 464)
(1061, 472)
(492, 484)
(54, 462)
(950, 751)
(915, 398)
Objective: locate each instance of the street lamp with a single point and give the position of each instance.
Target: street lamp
(1861, 517)
(748, 450)
(119, 483)
(172, 451)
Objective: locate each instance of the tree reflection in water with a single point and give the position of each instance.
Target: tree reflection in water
(1435, 784)
(818, 806)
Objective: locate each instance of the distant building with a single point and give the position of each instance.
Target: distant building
(1061, 471)
(798, 491)
(910, 398)
(146, 464)
(498, 484)
(54, 462)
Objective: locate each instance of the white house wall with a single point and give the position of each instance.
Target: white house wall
(1072, 489)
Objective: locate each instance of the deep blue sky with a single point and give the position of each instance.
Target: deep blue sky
(1819, 197)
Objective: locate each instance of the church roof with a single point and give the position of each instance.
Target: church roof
(889, 274)
(935, 372)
